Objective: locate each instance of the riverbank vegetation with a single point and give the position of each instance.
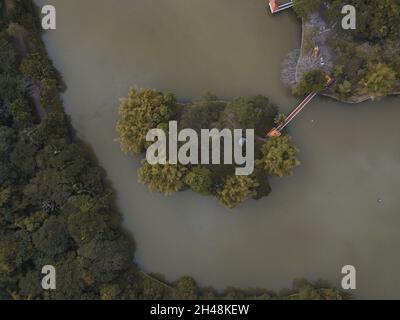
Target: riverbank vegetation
(145, 109)
(56, 207)
(364, 62)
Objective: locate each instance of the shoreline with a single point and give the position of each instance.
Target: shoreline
(307, 31)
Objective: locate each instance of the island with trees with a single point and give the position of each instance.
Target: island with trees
(144, 109)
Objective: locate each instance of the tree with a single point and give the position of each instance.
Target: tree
(52, 238)
(47, 190)
(264, 188)
(201, 114)
(199, 179)
(185, 289)
(279, 156)
(21, 113)
(377, 20)
(29, 284)
(8, 55)
(304, 8)
(85, 226)
(110, 292)
(255, 113)
(36, 67)
(379, 81)
(166, 179)
(236, 190)
(69, 274)
(7, 141)
(106, 259)
(312, 81)
(15, 250)
(345, 88)
(10, 86)
(304, 290)
(70, 159)
(23, 158)
(141, 111)
(54, 126)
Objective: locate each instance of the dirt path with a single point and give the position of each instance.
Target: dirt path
(316, 34)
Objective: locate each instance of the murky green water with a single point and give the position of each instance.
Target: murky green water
(342, 205)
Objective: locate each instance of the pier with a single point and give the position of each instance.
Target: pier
(277, 131)
(279, 5)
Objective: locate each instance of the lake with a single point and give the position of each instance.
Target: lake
(340, 207)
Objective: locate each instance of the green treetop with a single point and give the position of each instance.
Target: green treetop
(303, 8)
(279, 156)
(379, 81)
(141, 111)
(312, 81)
(166, 179)
(237, 189)
(199, 180)
(253, 113)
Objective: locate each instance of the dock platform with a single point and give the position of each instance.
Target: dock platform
(279, 5)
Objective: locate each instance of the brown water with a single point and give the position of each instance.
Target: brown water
(326, 216)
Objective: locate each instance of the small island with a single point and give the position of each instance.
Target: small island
(145, 109)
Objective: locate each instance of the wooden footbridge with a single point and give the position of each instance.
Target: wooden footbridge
(275, 7)
(277, 131)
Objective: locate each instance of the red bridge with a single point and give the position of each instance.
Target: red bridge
(277, 131)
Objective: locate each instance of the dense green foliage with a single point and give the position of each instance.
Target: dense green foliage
(57, 209)
(237, 189)
(166, 179)
(279, 156)
(304, 8)
(377, 20)
(367, 58)
(140, 111)
(256, 113)
(312, 81)
(199, 179)
(379, 80)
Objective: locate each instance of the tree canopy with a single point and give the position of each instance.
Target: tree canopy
(236, 190)
(166, 179)
(312, 81)
(379, 80)
(279, 156)
(303, 8)
(141, 111)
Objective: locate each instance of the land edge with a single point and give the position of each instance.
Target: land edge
(354, 99)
